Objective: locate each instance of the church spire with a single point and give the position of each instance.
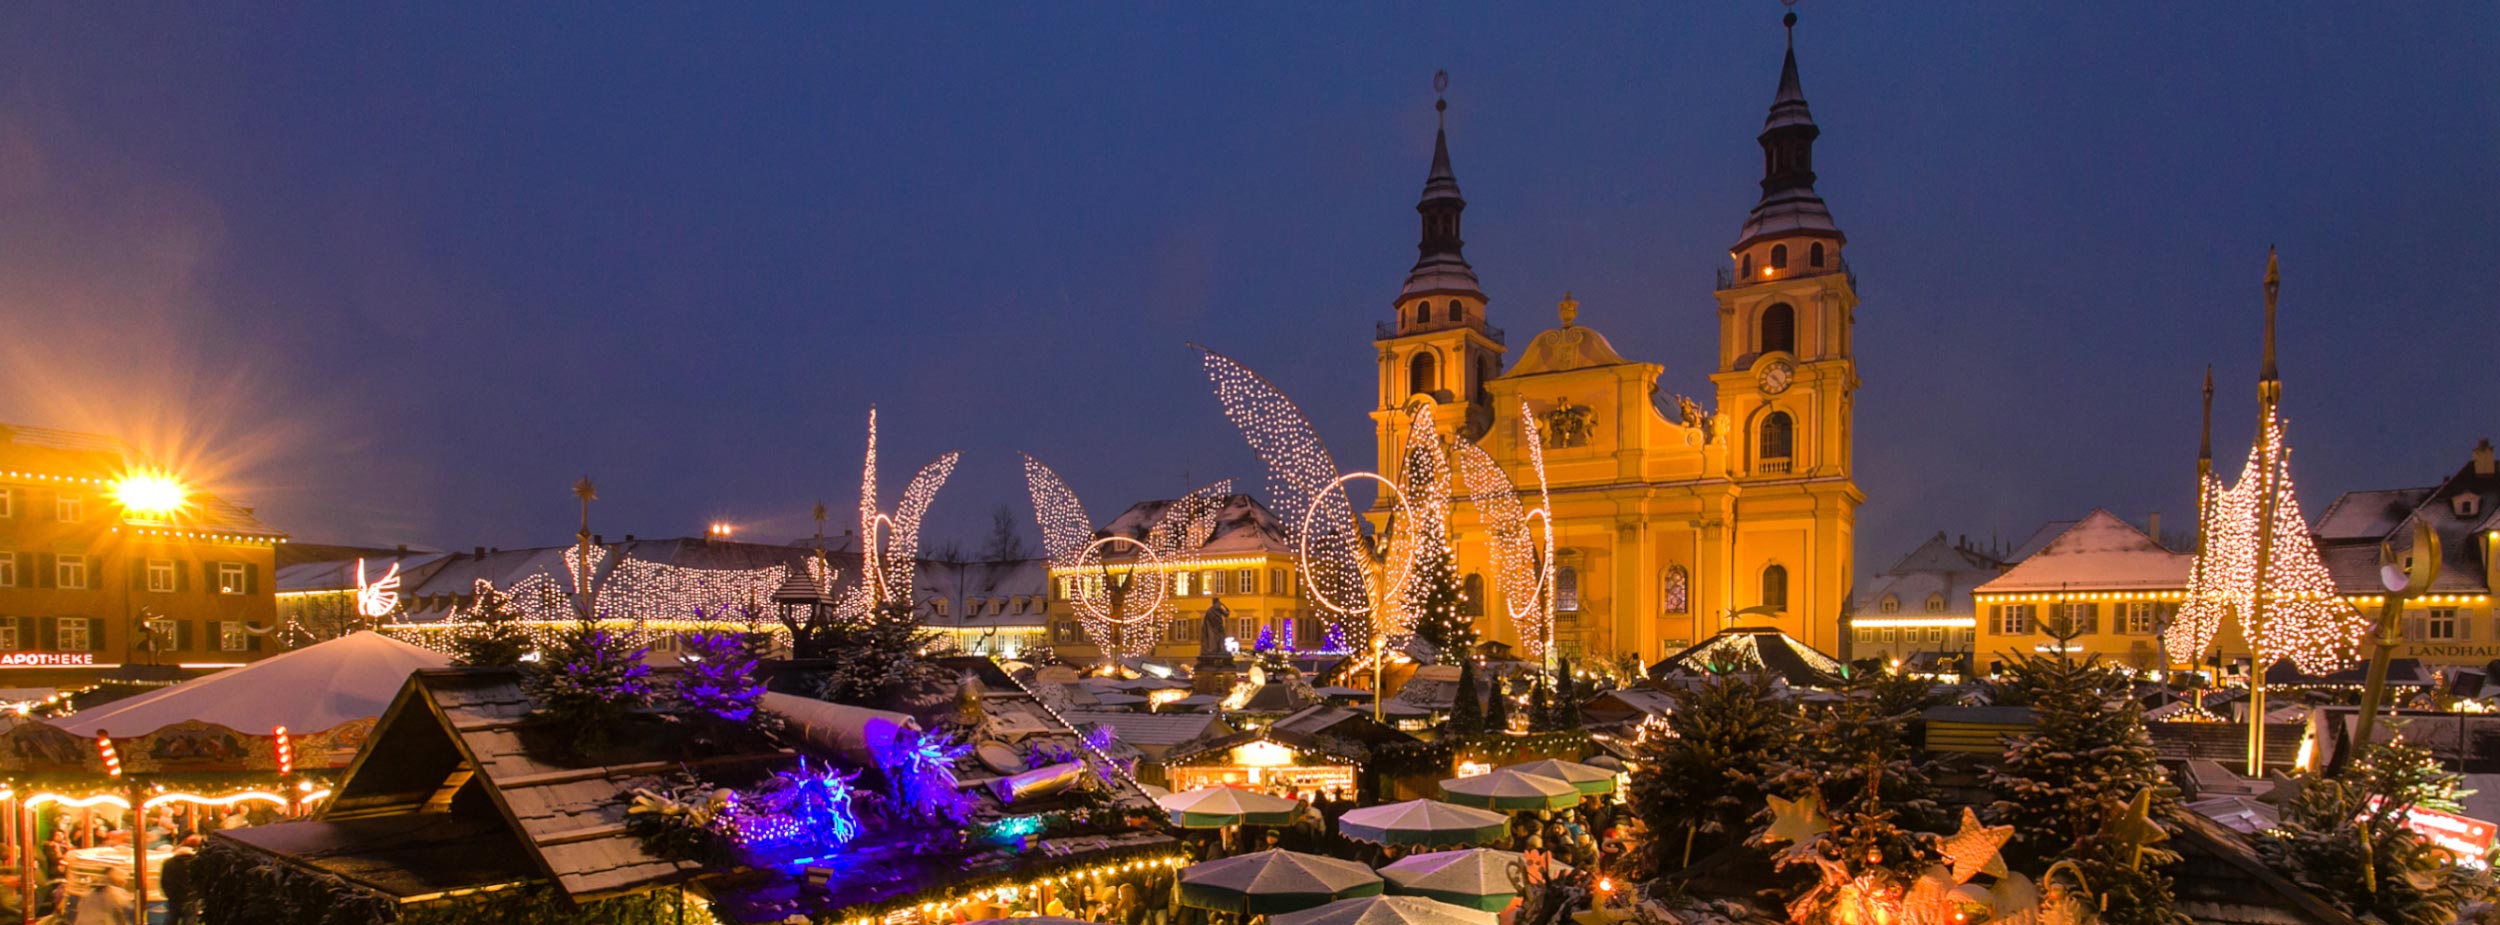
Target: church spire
(1789, 207)
(1440, 265)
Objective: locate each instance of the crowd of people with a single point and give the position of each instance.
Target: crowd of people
(67, 892)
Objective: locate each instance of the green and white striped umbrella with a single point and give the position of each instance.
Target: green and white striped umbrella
(1387, 910)
(1220, 807)
(1423, 822)
(1511, 790)
(1273, 881)
(1590, 779)
(1477, 878)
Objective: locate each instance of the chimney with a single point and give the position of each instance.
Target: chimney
(479, 552)
(2482, 458)
(598, 539)
(403, 550)
(629, 537)
(2152, 525)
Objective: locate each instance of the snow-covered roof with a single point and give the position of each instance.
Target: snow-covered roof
(2353, 526)
(1937, 567)
(307, 690)
(2098, 553)
(340, 574)
(2368, 515)
(1242, 527)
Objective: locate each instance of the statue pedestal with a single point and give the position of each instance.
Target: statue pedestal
(1215, 676)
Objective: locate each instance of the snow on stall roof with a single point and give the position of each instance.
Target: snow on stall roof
(2098, 553)
(307, 690)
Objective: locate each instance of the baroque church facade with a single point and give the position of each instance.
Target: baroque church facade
(1671, 521)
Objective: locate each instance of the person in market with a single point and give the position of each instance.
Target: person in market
(181, 898)
(109, 903)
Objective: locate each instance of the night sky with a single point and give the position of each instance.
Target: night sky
(401, 274)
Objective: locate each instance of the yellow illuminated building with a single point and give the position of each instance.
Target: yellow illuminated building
(1670, 519)
(2113, 585)
(106, 560)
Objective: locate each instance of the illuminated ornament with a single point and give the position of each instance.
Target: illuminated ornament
(377, 599)
(2133, 829)
(284, 746)
(1797, 821)
(1976, 849)
(2304, 619)
(112, 758)
(889, 545)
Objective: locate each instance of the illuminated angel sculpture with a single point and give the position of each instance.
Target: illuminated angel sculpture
(889, 544)
(1523, 539)
(1370, 581)
(1120, 615)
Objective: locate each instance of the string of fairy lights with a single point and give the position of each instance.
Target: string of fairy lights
(1425, 510)
(1301, 476)
(1526, 577)
(2305, 619)
(889, 544)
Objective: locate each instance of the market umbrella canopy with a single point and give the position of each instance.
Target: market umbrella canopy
(1589, 779)
(1387, 910)
(1423, 822)
(1273, 881)
(1508, 789)
(1477, 878)
(308, 690)
(1032, 920)
(1218, 807)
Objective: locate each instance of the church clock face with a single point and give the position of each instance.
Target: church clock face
(1777, 376)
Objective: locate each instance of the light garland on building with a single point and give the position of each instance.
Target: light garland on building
(2305, 619)
(889, 545)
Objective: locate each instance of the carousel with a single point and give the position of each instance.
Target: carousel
(111, 793)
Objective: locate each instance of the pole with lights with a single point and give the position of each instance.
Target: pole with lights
(587, 492)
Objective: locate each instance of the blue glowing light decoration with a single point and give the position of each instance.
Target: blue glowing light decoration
(807, 810)
(921, 768)
(1016, 827)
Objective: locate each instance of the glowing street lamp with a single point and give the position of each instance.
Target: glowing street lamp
(150, 493)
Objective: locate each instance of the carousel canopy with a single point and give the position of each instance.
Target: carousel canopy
(308, 690)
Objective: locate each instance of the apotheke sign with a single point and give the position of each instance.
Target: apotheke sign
(46, 659)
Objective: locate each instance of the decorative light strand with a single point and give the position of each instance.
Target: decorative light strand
(1525, 576)
(2305, 618)
(1073, 547)
(1301, 476)
(889, 545)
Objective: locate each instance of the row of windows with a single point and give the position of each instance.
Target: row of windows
(1891, 604)
(1302, 629)
(2138, 618)
(996, 606)
(1675, 591)
(2444, 624)
(77, 572)
(86, 634)
(66, 508)
(1870, 635)
(1423, 311)
(1815, 257)
(1208, 583)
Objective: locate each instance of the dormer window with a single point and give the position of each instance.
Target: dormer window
(1890, 604)
(2466, 505)
(1935, 603)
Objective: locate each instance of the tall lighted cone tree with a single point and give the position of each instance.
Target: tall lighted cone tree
(1120, 605)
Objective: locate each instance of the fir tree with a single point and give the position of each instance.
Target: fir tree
(1440, 621)
(2376, 867)
(1705, 775)
(494, 638)
(1466, 713)
(1564, 713)
(719, 681)
(1497, 709)
(876, 657)
(587, 681)
(1540, 708)
(2066, 780)
(1857, 760)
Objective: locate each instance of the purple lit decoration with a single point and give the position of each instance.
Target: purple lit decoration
(803, 812)
(921, 769)
(720, 676)
(1267, 640)
(1335, 640)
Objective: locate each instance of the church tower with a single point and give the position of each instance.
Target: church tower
(1786, 375)
(1439, 346)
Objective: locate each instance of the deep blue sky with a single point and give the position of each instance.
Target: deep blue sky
(402, 272)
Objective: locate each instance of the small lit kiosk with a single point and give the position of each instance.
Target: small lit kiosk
(1322, 750)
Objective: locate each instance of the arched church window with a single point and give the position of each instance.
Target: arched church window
(1779, 329)
(1779, 256)
(1779, 436)
(1814, 255)
(1454, 310)
(1423, 311)
(1748, 271)
(1420, 374)
(1471, 595)
(1676, 593)
(1775, 587)
(1567, 589)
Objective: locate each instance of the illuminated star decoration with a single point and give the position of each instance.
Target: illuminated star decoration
(1976, 849)
(1797, 821)
(1070, 542)
(2133, 829)
(376, 599)
(889, 545)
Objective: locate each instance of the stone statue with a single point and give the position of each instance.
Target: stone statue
(1212, 633)
(1690, 409)
(1569, 425)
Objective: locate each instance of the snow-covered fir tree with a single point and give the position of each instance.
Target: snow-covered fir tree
(1855, 761)
(1441, 619)
(2067, 785)
(876, 657)
(587, 681)
(1466, 712)
(1701, 781)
